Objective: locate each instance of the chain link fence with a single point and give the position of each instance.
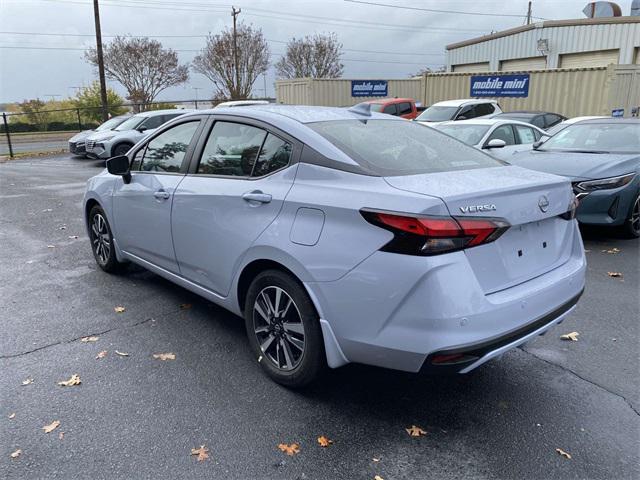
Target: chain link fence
(47, 131)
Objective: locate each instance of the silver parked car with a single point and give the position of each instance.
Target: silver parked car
(118, 141)
(344, 236)
(499, 138)
(77, 142)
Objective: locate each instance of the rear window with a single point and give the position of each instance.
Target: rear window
(390, 147)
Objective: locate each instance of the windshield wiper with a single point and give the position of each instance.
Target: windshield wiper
(573, 151)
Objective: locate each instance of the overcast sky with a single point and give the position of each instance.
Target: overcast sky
(413, 38)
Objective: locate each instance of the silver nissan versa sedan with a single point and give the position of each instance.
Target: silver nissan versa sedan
(344, 236)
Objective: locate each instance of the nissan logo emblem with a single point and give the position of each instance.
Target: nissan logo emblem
(543, 203)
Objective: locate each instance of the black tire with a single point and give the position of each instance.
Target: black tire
(283, 359)
(121, 149)
(631, 227)
(101, 240)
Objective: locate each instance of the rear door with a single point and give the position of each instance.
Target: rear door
(142, 207)
(238, 179)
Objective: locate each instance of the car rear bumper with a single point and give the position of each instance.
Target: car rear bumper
(398, 311)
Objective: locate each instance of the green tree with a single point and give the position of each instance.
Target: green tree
(33, 110)
(89, 103)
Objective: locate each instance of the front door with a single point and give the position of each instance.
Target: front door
(230, 198)
(142, 207)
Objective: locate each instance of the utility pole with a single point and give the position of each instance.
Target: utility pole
(234, 13)
(529, 14)
(264, 77)
(103, 82)
(196, 90)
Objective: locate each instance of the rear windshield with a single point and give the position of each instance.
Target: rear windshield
(437, 114)
(377, 107)
(469, 134)
(398, 147)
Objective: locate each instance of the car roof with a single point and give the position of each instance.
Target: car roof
(462, 101)
(153, 113)
(611, 120)
(487, 121)
(388, 100)
(241, 103)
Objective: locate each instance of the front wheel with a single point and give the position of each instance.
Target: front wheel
(102, 241)
(283, 329)
(121, 149)
(632, 224)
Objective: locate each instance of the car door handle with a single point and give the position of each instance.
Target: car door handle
(161, 195)
(257, 196)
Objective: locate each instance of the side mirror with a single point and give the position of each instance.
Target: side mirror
(141, 129)
(495, 143)
(537, 144)
(461, 117)
(119, 166)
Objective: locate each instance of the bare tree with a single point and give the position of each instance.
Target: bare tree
(425, 70)
(316, 56)
(142, 66)
(216, 61)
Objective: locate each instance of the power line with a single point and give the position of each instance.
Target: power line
(359, 60)
(432, 10)
(205, 36)
(284, 16)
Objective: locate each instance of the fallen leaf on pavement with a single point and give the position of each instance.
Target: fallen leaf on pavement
(16, 454)
(101, 354)
(563, 453)
(28, 381)
(51, 427)
(614, 274)
(48, 210)
(51, 246)
(89, 339)
(122, 354)
(613, 250)
(289, 449)
(164, 356)
(415, 431)
(74, 380)
(375, 459)
(12, 416)
(573, 336)
(324, 441)
(378, 477)
(73, 237)
(61, 435)
(201, 452)
(185, 306)
(62, 227)
(119, 309)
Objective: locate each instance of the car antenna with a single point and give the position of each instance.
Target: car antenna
(361, 109)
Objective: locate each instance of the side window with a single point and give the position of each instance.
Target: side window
(551, 120)
(274, 155)
(504, 132)
(526, 134)
(136, 161)
(468, 112)
(390, 109)
(231, 149)
(404, 108)
(538, 121)
(152, 122)
(166, 152)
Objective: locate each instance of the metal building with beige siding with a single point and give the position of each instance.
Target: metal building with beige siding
(580, 43)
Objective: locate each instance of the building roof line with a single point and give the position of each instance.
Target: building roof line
(545, 24)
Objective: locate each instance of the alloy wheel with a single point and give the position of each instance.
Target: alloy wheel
(100, 238)
(635, 216)
(279, 328)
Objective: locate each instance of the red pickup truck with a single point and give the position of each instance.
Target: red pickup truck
(400, 107)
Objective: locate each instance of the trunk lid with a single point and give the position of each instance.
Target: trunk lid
(537, 241)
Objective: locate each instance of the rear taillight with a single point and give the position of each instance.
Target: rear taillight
(421, 235)
(570, 214)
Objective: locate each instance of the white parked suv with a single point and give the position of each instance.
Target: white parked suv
(118, 141)
(464, 109)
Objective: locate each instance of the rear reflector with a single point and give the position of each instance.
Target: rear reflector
(414, 235)
(452, 359)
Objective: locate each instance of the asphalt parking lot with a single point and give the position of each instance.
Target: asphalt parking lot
(136, 416)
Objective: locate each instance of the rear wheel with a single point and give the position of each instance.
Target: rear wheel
(102, 241)
(283, 329)
(632, 225)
